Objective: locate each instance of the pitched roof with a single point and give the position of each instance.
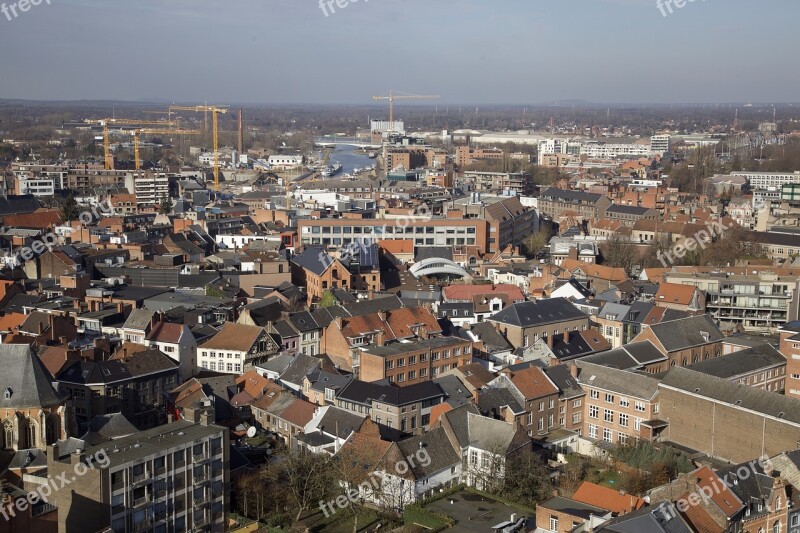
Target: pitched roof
(365, 392)
(631, 356)
(614, 380)
(742, 362)
(674, 293)
(541, 312)
(139, 319)
(676, 335)
(734, 394)
(166, 332)
(532, 382)
(607, 498)
(233, 336)
(315, 260)
(25, 382)
(440, 455)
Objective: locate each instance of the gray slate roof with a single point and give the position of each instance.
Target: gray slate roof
(741, 362)
(541, 312)
(25, 382)
(619, 381)
(685, 333)
(725, 391)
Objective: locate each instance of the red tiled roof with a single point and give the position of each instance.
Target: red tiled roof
(166, 332)
(299, 413)
(674, 293)
(533, 383)
(724, 498)
(607, 498)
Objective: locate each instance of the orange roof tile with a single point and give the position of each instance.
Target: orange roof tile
(607, 498)
(724, 498)
(674, 293)
(469, 292)
(533, 383)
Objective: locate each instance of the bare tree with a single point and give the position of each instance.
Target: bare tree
(308, 478)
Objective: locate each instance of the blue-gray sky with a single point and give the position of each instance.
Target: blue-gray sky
(468, 51)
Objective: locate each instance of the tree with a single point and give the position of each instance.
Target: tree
(70, 210)
(618, 253)
(166, 205)
(328, 299)
(527, 479)
(308, 478)
(574, 474)
(535, 243)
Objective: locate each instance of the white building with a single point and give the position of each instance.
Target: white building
(660, 144)
(769, 180)
(599, 150)
(36, 186)
(285, 161)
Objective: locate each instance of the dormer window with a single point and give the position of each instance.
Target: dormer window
(9, 392)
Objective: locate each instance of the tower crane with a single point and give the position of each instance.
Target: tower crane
(150, 131)
(109, 159)
(215, 111)
(398, 95)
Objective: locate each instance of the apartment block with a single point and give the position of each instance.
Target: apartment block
(760, 301)
(173, 477)
(557, 202)
(433, 232)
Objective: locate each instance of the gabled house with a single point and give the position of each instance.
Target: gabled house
(178, 342)
(525, 323)
(535, 393)
(236, 348)
(484, 445)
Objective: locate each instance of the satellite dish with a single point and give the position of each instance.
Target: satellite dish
(251, 431)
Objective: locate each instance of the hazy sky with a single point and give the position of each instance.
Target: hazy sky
(468, 51)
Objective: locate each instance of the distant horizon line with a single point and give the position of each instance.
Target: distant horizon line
(554, 104)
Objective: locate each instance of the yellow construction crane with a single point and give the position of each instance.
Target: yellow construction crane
(148, 131)
(214, 110)
(109, 159)
(397, 95)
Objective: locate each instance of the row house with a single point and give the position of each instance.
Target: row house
(407, 363)
(236, 348)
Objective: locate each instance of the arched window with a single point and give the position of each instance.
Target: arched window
(685, 362)
(776, 527)
(695, 359)
(8, 435)
(52, 428)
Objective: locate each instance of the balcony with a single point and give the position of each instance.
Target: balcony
(141, 502)
(144, 525)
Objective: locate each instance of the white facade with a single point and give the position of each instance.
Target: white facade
(611, 151)
(659, 144)
(36, 186)
(285, 161)
(227, 361)
(240, 241)
(769, 180)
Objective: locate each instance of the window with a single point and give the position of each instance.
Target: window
(576, 404)
(576, 418)
(592, 431)
(553, 523)
(609, 398)
(541, 406)
(608, 415)
(623, 420)
(473, 457)
(594, 395)
(608, 435)
(637, 424)
(624, 402)
(639, 406)
(594, 411)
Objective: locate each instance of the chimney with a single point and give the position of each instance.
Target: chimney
(380, 338)
(573, 370)
(62, 340)
(382, 316)
(52, 453)
(120, 307)
(338, 321)
(554, 361)
(241, 134)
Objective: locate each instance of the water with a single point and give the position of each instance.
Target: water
(350, 159)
